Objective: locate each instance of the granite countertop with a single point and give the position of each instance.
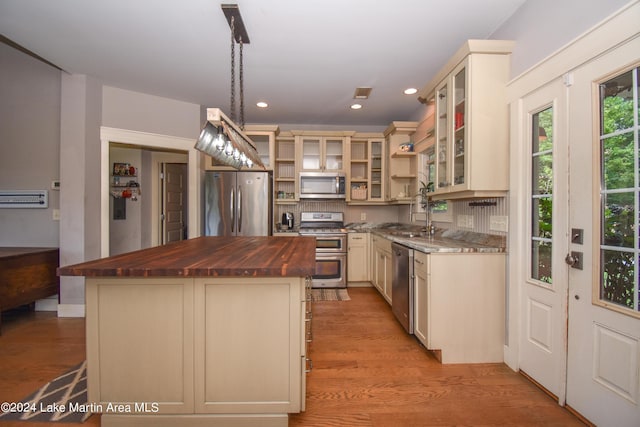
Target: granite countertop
(207, 257)
(443, 241)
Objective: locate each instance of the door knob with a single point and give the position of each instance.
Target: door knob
(574, 259)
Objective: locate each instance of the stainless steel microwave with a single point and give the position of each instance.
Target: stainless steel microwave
(322, 185)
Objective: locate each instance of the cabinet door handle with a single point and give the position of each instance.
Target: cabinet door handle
(418, 261)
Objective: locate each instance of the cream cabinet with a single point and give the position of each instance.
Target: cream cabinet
(358, 257)
(402, 164)
(459, 305)
(367, 172)
(468, 142)
(322, 152)
(264, 138)
(420, 296)
(216, 350)
(285, 183)
(381, 266)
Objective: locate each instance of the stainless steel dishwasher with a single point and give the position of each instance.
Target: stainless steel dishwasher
(402, 285)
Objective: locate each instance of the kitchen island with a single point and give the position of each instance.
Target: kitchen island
(207, 331)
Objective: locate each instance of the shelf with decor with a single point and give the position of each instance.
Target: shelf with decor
(285, 172)
(402, 167)
(366, 170)
(124, 182)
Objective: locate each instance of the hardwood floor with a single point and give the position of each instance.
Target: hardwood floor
(36, 347)
(366, 372)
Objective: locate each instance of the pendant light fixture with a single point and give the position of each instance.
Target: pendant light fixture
(221, 138)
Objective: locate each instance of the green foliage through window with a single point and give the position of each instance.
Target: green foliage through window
(619, 190)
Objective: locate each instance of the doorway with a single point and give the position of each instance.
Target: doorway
(157, 149)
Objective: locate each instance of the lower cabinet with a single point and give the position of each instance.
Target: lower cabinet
(358, 257)
(381, 264)
(212, 349)
(459, 310)
(420, 296)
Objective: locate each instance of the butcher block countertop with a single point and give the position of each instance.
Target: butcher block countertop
(209, 257)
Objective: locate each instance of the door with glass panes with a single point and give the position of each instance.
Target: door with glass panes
(543, 301)
(603, 375)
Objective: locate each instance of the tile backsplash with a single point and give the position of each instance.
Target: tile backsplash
(463, 214)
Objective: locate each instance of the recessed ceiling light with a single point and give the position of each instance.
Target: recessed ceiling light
(356, 106)
(262, 104)
(410, 91)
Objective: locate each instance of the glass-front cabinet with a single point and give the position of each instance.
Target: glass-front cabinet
(470, 154)
(459, 139)
(322, 153)
(442, 137)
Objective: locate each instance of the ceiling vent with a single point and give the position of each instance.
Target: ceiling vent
(362, 93)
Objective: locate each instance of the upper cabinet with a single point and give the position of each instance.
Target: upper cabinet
(322, 151)
(285, 183)
(465, 148)
(367, 172)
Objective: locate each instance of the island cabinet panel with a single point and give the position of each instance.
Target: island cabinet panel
(248, 346)
(214, 351)
(140, 343)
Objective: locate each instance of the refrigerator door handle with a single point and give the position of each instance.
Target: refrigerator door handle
(232, 209)
(239, 209)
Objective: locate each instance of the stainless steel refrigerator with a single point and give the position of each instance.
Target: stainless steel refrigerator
(237, 203)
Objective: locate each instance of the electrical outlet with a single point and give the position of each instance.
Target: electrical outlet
(363, 216)
(465, 221)
(498, 223)
(462, 220)
(56, 214)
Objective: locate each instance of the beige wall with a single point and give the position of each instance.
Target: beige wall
(29, 145)
(124, 109)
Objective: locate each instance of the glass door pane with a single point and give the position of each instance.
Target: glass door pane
(619, 192)
(333, 157)
(311, 153)
(542, 195)
(442, 139)
(459, 83)
(376, 170)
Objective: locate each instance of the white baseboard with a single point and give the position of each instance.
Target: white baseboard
(70, 310)
(47, 304)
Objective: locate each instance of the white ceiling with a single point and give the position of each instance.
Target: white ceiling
(305, 57)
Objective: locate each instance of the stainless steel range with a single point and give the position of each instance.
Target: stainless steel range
(331, 247)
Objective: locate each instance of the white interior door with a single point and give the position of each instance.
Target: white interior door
(543, 273)
(603, 380)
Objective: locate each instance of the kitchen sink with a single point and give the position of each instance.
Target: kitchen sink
(405, 233)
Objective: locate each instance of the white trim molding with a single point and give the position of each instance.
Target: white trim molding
(149, 140)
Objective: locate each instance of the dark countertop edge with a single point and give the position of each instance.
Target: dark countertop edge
(192, 273)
